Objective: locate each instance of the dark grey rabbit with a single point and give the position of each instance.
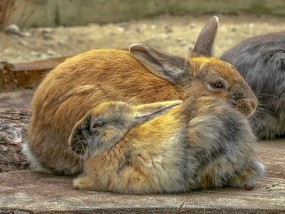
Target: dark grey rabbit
(261, 61)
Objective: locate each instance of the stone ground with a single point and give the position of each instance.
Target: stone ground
(29, 192)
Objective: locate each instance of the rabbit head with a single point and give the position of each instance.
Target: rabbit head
(107, 123)
(222, 79)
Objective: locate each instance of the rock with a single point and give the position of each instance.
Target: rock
(62, 42)
(14, 29)
(24, 43)
(47, 33)
(51, 53)
(183, 43)
(35, 54)
(168, 29)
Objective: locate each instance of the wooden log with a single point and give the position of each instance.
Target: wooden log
(25, 75)
(13, 132)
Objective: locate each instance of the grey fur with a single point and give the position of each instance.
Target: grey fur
(261, 61)
(212, 146)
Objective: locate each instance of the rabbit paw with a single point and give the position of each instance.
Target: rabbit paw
(246, 177)
(83, 182)
(248, 186)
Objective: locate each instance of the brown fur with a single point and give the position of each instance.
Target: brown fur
(69, 91)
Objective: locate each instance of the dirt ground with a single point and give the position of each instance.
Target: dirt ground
(174, 34)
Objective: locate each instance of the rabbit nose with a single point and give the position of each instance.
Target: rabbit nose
(253, 105)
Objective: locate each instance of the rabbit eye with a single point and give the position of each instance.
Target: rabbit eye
(217, 84)
(97, 124)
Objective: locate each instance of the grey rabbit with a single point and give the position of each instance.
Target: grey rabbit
(261, 61)
(202, 143)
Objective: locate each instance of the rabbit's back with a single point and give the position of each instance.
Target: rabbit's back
(74, 87)
(261, 61)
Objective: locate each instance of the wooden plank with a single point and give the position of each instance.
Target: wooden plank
(41, 193)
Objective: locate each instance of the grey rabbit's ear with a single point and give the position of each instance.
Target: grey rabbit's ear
(205, 41)
(146, 112)
(166, 66)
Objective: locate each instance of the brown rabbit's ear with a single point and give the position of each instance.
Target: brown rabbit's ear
(146, 112)
(166, 66)
(205, 41)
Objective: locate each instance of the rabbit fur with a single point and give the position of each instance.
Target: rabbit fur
(202, 143)
(142, 75)
(261, 61)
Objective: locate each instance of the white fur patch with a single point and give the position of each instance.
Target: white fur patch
(32, 159)
(261, 168)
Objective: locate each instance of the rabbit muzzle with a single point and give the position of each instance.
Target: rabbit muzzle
(244, 104)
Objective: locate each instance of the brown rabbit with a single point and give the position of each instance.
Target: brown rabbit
(144, 75)
(202, 143)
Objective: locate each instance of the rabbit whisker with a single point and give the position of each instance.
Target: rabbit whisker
(263, 95)
(262, 111)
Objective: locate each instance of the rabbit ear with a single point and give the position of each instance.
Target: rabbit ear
(166, 66)
(205, 41)
(146, 112)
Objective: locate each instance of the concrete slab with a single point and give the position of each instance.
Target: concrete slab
(32, 192)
